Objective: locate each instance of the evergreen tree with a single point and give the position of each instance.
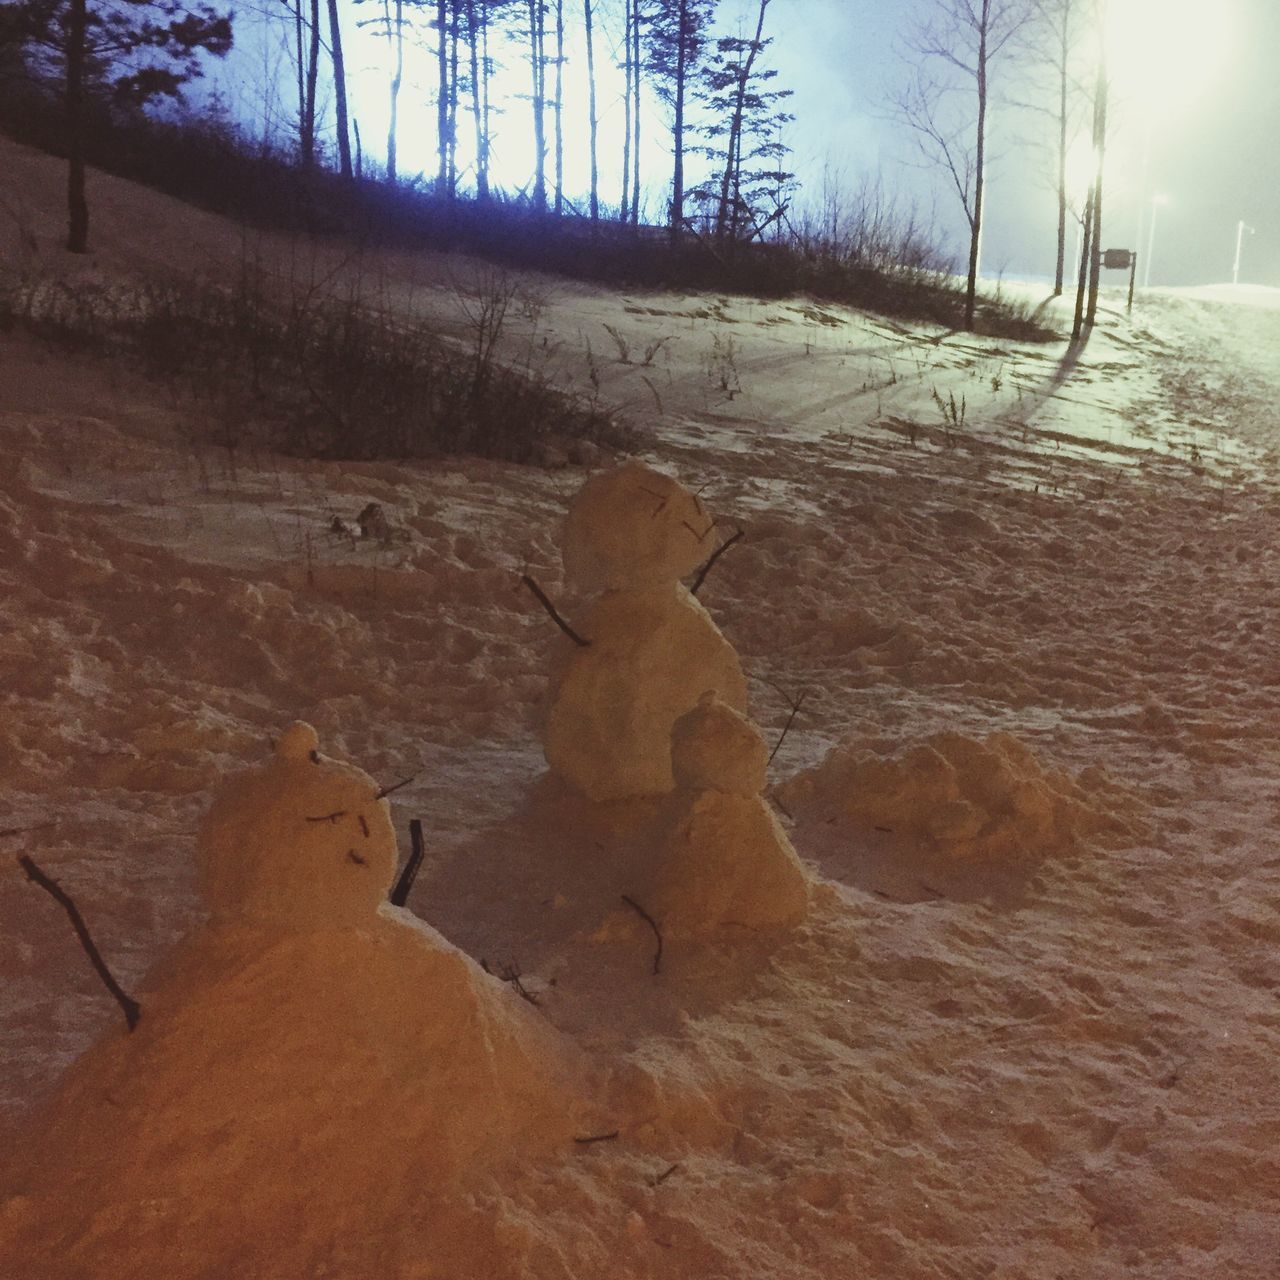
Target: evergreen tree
(676, 38)
(121, 53)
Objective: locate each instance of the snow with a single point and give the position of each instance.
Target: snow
(1051, 1059)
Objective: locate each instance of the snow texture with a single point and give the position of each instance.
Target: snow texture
(990, 799)
(1058, 1066)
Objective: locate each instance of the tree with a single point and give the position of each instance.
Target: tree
(122, 54)
(340, 90)
(745, 131)
(677, 36)
(593, 118)
(955, 44)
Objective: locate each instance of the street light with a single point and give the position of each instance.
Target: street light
(1241, 228)
(1156, 202)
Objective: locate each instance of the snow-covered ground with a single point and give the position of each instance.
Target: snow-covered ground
(1052, 1055)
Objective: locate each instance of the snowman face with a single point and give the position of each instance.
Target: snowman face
(633, 528)
(301, 842)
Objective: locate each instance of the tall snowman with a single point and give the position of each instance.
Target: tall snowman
(652, 650)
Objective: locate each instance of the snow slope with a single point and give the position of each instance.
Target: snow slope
(1055, 1058)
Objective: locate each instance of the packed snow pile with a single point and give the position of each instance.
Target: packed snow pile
(987, 799)
(651, 649)
(308, 1062)
(721, 857)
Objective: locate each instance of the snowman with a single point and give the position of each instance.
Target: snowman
(721, 857)
(630, 535)
(311, 1060)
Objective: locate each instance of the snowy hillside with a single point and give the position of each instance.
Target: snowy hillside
(1030, 1027)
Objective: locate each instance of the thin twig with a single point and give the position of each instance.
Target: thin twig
(395, 786)
(400, 894)
(132, 1009)
(597, 1137)
(664, 1175)
(553, 613)
(657, 933)
(715, 555)
(22, 831)
(796, 704)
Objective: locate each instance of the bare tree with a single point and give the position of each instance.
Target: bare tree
(593, 118)
(340, 90)
(946, 102)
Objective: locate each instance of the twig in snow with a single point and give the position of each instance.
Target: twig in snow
(132, 1009)
(664, 1175)
(596, 1137)
(22, 831)
(400, 894)
(657, 933)
(552, 612)
(795, 704)
(395, 786)
(715, 555)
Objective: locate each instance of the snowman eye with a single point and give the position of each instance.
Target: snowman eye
(329, 817)
(353, 856)
(313, 756)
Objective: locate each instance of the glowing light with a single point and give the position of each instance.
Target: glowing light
(1163, 54)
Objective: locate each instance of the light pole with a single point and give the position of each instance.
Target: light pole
(1241, 228)
(1156, 202)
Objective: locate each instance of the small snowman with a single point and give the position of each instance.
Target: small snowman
(722, 858)
(310, 1060)
(631, 534)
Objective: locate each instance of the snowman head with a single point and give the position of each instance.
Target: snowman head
(634, 527)
(300, 842)
(715, 748)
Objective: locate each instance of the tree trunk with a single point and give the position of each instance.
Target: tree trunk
(1100, 150)
(733, 147)
(77, 203)
(397, 77)
(625, 207)
(538, 67)
(1064, 53)
(477, 109)
(340, 91)
(1086, 251)
(453, 102)
(300, 55)
(593, 121)
(677, 127)
(979, 174)
(442, 97)
(635, 118)
(481, 104)
(308, 131)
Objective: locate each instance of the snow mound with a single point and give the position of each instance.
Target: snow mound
(972, 799)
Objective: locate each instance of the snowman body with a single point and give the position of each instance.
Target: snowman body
(309, 1062)
(652, 650)
(722, 860)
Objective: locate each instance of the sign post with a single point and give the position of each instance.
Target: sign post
(1122, 260)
